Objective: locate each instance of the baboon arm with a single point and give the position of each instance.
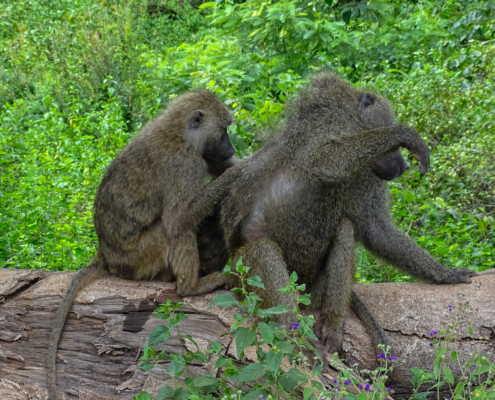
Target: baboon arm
(344, 156)
(383, 238)
(205, 203)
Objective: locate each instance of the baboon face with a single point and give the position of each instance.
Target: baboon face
(212, 129)
(390, 166)
(375, 113)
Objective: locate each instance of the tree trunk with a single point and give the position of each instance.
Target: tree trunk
(109, 324)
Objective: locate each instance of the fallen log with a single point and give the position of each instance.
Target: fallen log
(109, 324)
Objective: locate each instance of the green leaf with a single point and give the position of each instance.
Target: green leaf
(203, 381)
(266, 332)
(200, 357)
(244, 338)
(221, 362)
(223, 300)
(175, 368)
(470, 330)
(255, 281)
(165, 392)
(308, 391)
(448, 375)
(440, 351)
(482, 370)
(274, 359)
(216, 347)
(146, 366)
(362, 396)
(181, 394)
(276, 310)
(144, 396)
(459, 389)
(293, 278)
(454, 356)
(159, 335)
(251, 373)
(256, 395)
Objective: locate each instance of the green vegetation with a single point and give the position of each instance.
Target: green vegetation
(284, 369)
(79, 77)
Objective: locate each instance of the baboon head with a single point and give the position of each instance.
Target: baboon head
(375, 112)
(206, 122)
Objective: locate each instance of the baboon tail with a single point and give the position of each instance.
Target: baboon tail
(372, 326)
(95, 269)
(378, 335)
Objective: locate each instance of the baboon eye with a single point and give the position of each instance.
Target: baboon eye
(366, 101)
(196, 119)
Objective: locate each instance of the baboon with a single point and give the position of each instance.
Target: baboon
(301, 202)
(152, 198)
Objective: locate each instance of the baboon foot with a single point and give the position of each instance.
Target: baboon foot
(458, 275)
(330, 338)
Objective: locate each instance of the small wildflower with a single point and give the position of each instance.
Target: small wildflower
(360, 386)
(335, 380)
(450, 307)
(389, 389)
(367, 387)
(347, 382)
(295, 325)
(433, 333)
(380, 355)
(431, 344)
(281, 326)
(337, 388)
(392, 358)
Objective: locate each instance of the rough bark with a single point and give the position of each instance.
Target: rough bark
(109, 324)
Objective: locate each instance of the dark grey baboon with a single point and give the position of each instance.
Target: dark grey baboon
(151, 200)
(300, 203)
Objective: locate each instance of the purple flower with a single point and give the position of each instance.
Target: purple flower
(389, 389)
(380, 355)
(367, 387)
(392, 358)
(337, 388)
(281, 326)
(295, 325)
(335, 380)
(360, 386)
(433, 333)
(431, 344)
(347, 382)
(450, 307)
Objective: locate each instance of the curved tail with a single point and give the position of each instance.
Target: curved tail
(378, 335)
(94, 270)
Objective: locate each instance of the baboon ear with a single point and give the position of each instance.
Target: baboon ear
(366, 101)
(196, 119)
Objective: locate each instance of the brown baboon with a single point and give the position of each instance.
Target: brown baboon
(151, 200)
(300, 203)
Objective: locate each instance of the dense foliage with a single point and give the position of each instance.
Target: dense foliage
(79, 77)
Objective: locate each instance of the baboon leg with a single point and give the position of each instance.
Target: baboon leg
(333, 290)
(265, 259)
(186, 267)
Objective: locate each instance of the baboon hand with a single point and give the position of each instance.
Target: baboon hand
(417, 147)
(458, 275)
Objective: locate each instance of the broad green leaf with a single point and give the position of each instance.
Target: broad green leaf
(159, 335)
(255, 281)
(274, 359)
(146, 366)
(181, 394)
(216, 347)
(448, 375)
(454, 356)
(165, 392)
(266, 332)
(251, 372)
(308, 391)
(175, 368)
(244, 338)
(203, 381)
(223, 300)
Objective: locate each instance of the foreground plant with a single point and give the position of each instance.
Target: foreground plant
(288, 365)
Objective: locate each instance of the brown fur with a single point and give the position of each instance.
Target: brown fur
(152, 199)
(300, 203)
